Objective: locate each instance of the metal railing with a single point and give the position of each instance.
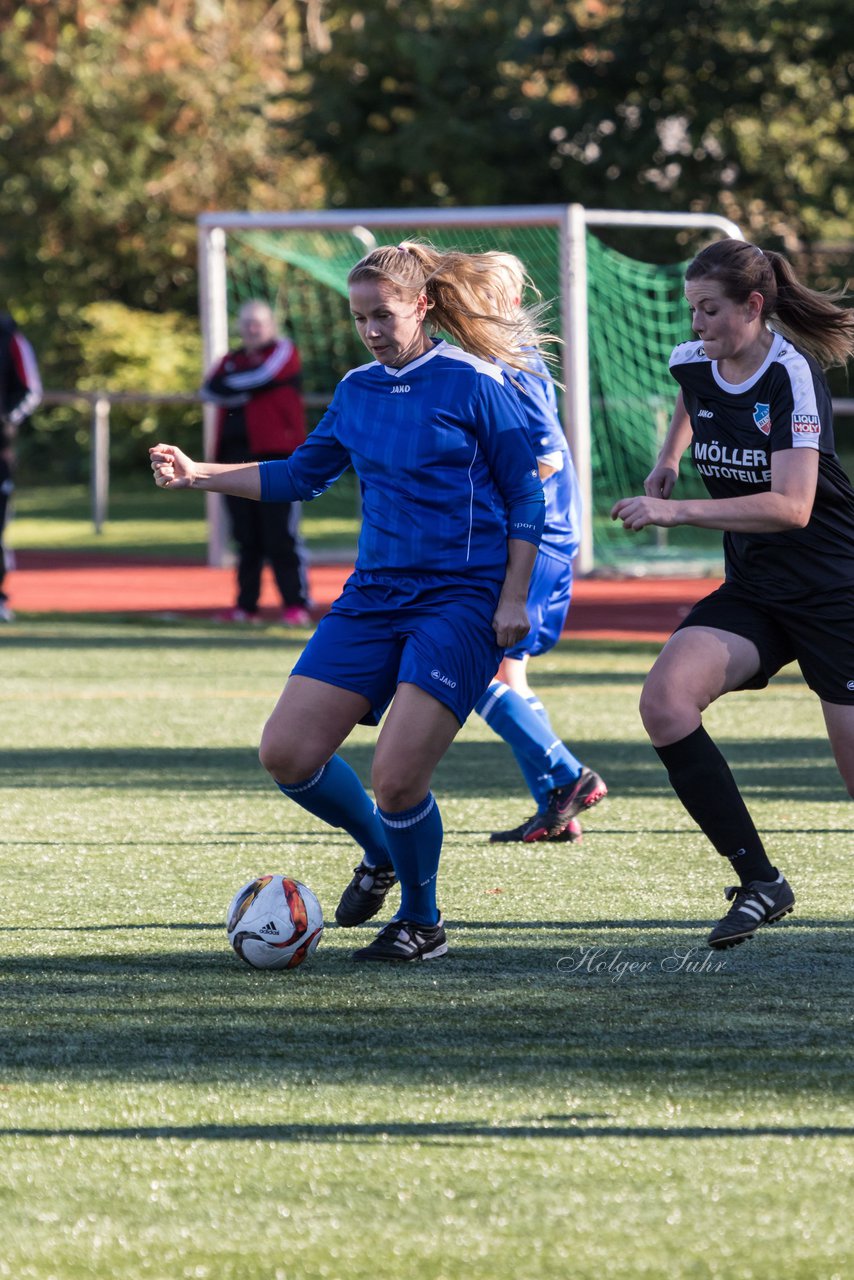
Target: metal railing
(100, 404)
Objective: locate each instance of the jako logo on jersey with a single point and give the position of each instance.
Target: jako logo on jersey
(762, 418)
(705, 413)
(806, 424)
(396, 391)
(437, 675)
(850, 685)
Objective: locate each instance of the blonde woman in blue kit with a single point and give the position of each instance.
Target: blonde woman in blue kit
(452, 514)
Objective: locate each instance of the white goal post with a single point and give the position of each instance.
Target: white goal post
(571, 222)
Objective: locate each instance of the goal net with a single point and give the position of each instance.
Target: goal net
(619, 318)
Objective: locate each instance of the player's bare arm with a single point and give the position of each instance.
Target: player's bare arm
(174, 469)
(661, 480)
(786, 505)
(510, 622)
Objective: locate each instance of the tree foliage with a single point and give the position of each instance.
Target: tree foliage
(120, 123)
(637, 104)
(121, 120)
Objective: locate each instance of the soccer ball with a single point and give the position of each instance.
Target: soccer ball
(274, 922)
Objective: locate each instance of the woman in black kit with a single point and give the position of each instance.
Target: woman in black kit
(755, 409)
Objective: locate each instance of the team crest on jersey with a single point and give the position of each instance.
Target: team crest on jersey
(806, 424)
(762, 418)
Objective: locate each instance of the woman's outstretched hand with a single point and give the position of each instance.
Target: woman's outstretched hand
(636, 513)
(172, 468)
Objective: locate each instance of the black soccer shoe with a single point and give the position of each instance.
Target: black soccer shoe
(365, 894)
(402, 941)
(565, 803)
(534, 829)
(754, 904)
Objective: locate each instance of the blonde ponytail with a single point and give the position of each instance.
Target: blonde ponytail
(469, 297)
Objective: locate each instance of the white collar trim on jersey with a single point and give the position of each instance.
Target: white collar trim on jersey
(773, 352)
(416, 364)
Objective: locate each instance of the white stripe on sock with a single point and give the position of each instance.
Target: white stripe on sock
(304, 786)
(400, 823)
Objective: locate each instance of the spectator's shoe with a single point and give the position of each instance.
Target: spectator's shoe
(571, 833)
(365, 894)
(6, 614)
(760, 902)
(238, 615)
(565, 802)
(294, 615)
(402, 941)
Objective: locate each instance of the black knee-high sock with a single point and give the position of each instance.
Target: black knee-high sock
(702, 780)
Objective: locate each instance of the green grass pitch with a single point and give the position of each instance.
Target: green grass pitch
(581, 1090)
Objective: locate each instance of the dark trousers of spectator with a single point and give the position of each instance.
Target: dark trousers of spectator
(268, 531)
(6, 487)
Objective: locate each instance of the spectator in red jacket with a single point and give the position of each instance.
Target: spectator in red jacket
(261, 418)
(20, 394)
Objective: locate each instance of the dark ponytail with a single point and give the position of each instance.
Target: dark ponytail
(809, 319)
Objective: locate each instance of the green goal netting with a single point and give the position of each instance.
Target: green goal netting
(635, 316)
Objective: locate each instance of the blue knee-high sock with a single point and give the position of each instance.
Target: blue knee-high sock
(336, 795)
(414, 839)
(531, 737)
(534, 703)
(539, 784)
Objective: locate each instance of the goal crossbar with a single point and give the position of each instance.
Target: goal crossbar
(571, 222)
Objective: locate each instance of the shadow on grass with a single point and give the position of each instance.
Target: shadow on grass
(789, 769)
(628, 1003)
(438, 1133)
(490, 926)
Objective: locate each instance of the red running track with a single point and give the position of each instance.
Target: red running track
(56, 583)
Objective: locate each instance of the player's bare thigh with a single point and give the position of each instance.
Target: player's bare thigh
(840, 729)
(695, 667)
(307, 726)
(416, 734)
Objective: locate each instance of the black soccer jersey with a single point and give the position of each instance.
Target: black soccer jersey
(785, 404)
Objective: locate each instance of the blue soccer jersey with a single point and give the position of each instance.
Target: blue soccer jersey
(446, 469)
(538, 400)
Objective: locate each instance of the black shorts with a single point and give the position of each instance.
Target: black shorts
(818, 635)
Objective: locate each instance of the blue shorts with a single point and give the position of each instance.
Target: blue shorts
(387, 629)
(548, 600)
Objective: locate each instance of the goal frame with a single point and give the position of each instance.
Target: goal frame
(571, 222)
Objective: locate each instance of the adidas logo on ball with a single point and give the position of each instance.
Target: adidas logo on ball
(274, 922)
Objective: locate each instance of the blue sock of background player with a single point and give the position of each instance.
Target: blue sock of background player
(544, 759)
